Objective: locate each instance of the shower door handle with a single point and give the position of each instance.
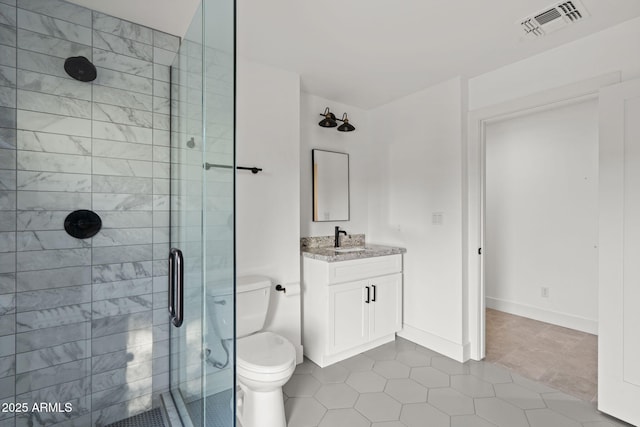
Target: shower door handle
(176, 287)
(179, 280)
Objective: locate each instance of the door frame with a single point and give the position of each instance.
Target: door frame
(477, 121)
(619, 386)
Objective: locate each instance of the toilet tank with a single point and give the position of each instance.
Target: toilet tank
(252, 303)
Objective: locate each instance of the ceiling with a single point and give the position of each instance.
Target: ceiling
(369, 52)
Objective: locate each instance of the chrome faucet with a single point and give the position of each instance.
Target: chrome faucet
(338, 231)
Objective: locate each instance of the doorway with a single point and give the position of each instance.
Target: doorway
(618, 378)
(541, 232)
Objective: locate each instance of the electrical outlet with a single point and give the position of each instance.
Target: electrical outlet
(544, 292)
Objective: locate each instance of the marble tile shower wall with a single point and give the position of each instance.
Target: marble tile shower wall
(82, 321)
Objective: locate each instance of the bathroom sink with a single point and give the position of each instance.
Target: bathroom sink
(355, 249)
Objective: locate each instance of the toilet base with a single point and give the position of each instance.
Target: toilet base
(261, 408)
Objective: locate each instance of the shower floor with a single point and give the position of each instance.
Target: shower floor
(152, 418)
(218, 410)
(218, 414)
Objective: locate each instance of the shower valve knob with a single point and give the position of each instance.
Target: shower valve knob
(82, 224)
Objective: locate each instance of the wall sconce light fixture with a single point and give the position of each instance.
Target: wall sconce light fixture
(345, 126)
(330, 121)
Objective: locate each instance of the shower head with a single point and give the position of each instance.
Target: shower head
(80, 68)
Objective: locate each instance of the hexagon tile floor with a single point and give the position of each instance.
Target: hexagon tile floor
(402, 384)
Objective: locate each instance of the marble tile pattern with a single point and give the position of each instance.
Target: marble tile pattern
(82, 321)
(8, 186)
(329, 241)
(402, 384)
(330, 254)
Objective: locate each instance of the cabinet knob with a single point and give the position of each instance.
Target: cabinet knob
(374, 293)
(368, 295)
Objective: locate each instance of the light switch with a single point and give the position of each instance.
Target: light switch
(437, 218)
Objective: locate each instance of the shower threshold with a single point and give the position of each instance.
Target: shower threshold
(217, 411)
(152, 418)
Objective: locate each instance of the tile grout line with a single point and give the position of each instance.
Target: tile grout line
(52, 17)
(91, 201)
(15, 257)
(91, 28)
(53, 57)
(90, 327)
(15, 211)
(153, 210)
(69, 97)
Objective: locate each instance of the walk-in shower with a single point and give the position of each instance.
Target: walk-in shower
(105, 128)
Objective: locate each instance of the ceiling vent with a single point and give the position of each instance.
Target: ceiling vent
(553, 18)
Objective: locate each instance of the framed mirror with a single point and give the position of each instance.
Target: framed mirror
(330, 186)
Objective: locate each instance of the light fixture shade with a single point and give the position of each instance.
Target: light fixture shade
(346, 126)
(328, 123)
(329, 120)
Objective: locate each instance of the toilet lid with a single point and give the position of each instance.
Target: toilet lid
(265, 352)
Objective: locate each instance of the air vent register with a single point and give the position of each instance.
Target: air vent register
(553, 18)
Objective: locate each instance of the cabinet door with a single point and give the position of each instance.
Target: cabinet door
(386, 307)
(348, 316)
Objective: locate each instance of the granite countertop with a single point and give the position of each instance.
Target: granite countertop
(329, 254)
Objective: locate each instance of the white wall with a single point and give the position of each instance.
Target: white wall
(611, 50)
(356, 144)
(542, 214)
(417, 160)
(412, 164)
(267, 204)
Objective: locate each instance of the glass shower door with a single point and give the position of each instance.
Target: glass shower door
(202, 377)
(186, 232)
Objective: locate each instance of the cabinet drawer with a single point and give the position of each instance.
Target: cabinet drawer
(345, 271)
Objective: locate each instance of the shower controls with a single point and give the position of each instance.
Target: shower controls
(80, 68)
(82, 224)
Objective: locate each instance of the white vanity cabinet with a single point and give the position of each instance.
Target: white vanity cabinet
(350, 306)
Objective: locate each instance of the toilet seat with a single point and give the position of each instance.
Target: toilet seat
(265, 353)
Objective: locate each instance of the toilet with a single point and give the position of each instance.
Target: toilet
(264, 360)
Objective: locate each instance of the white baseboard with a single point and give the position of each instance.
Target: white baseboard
(299, 354)
(433, 342)
(466, 351)
(556, 318)
(326, 360)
